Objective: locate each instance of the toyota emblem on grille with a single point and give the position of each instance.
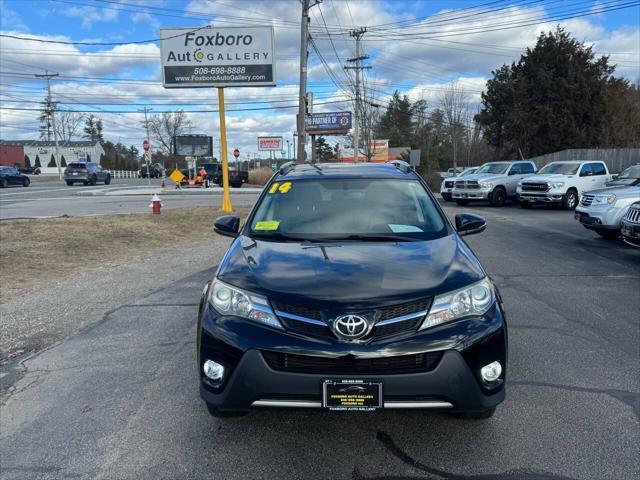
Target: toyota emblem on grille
(351, 327)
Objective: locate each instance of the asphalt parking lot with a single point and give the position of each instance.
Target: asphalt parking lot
(118, 399)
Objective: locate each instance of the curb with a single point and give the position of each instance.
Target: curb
(186, 191)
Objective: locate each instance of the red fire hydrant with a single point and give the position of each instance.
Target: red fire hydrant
(156, 204)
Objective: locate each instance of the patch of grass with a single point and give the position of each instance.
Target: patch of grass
(33, 252)
(260, 176)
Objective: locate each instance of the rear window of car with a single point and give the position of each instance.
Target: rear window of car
(77, 165)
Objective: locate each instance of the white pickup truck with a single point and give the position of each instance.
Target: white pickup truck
(562, 183)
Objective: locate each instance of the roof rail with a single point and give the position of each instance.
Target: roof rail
(286, 168)
(401, 165)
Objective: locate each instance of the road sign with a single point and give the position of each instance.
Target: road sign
(236, 153)
(217, 57)
(270, 143)
(145, 145)
(328, 123)
(274, 166)
(177, 176)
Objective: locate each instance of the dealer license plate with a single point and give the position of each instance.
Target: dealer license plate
(361, 395)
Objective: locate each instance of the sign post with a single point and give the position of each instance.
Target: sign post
(218, 57)
(226, 199)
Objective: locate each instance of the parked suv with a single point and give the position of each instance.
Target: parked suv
(446, 187)
(629, 176)
(630, 227)
(348, 289)
(562, 183)
(86, 172)
(493, 181)
(602, 210)
(11, 176)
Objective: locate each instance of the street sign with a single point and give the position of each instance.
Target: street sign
(274, 166)
(270, 143)
(236, 153)
(145, 145)
(217, 57)
(177, 176)
(338, 123)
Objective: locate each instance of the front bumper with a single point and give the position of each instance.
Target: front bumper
(544, 197)
(471, 194)
(454, 383)
(600, 218)
(630, 233)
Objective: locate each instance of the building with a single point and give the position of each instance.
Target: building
(10, 155)
(41, 153)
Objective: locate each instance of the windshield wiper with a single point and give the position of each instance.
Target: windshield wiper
(279, 236)
(374, 238)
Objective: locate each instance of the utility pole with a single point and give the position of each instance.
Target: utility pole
(147, 155)
(302, 101)
(357, 34)
(48, 76)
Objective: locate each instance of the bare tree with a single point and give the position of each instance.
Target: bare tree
(453, 102)
(68, 125)
(165, 126)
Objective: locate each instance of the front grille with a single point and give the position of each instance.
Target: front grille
(448, 184)
(586, 200)
(349, 365)
(535, 187)
(323, 332)
(468, 184)
(632, 215)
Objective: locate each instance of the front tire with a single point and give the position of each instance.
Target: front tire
(69, 183)
(608, 234)
(570, 200)
(107, 180)
(25, 182)
(446, 197)
(498, 197)
(3, 183)
(217, 413)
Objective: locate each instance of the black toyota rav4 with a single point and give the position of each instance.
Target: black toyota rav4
(349, 289)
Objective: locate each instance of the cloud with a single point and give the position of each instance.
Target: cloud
(147, 19)
(10, 19)
(91, 15)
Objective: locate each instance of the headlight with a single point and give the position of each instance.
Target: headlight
(556, 184)
(604, 199)
(486, 184)
(233, 301)
(519, 184)
(475, 299)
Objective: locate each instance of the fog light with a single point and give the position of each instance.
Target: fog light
(490, 373)
(213, 370)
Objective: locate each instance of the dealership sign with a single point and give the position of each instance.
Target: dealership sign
(269, 143)
(217, 57)
(324, 123)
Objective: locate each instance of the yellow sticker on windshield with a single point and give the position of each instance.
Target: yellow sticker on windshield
(274, 187)
(267, 225)
(285, 187)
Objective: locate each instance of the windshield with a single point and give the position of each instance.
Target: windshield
(493, 168)
(468, 172)
(348, 209)
(560, 168)
(631, 172)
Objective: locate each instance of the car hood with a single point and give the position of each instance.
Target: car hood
(621, 192)
(359, 274)
(547, 177)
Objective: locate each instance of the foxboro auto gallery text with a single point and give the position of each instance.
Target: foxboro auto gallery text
(216, 40)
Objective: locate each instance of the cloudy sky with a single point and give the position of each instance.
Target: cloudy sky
(416, 47)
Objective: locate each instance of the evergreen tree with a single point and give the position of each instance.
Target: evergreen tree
(323, 150)
(45, 118)
(37, 162)
(90, 128)
(52, 161)
(27, 161)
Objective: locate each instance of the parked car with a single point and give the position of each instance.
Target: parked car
(602, 210)
(630, 226)
(350, 276)
(88, 173)
(447, 185)
(214, 171)
(236, 178)
(155, 171)
(11, 176)
(629, 176)
(29, 170)
(493, 181)
(451, 172)
(562, 183)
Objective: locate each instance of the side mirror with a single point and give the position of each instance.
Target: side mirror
(615, 176)
(588, 173)
(227, 225)
(468, 224)
(513, 172)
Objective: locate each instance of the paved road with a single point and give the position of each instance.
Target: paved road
(119, 399)
(51, 198)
